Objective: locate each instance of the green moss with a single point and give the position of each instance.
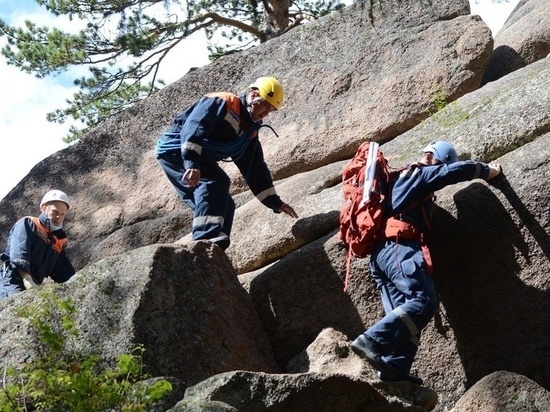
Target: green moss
(444, 113)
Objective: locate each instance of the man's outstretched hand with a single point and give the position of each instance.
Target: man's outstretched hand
(494, 170)
(288, 210)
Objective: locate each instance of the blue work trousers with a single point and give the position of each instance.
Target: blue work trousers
(409, 299)
(213, 208)
(10, 281)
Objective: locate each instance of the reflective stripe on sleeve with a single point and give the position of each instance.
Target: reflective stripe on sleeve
(266, 193)
(192, 146)
(234, 122)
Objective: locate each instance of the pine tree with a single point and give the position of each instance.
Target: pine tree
(143, 32)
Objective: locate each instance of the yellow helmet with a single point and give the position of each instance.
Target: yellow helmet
(270, 90)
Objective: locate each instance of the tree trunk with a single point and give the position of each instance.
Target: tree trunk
(275, 18)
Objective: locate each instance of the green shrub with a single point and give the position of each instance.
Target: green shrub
(57, 380)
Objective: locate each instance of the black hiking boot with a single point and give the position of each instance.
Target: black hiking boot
(399, 376)
(371, 352)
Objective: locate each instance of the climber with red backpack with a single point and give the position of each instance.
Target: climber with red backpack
(399, 258)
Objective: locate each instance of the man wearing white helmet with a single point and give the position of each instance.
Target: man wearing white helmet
(217, 127)
(35, 250)
(401, 265)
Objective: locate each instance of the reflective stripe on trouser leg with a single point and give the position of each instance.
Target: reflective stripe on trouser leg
(205, 226)
(392, 298)
(214, 209)
(400, 313)
(409, 299)
(404, 355)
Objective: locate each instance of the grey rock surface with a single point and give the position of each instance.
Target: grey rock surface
(504, 391)
(184, 304)
(524, 39)
(384, 66)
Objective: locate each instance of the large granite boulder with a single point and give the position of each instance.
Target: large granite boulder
(383, 68)
(524, 39)
(184, 304)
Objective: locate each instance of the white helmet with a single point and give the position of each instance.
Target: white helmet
(55, 195)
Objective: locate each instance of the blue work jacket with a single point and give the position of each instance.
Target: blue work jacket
(34, 248)
(415, 186)
(219, 127)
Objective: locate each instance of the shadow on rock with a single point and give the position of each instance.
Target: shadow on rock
(302, 294)
(486, 275)
(504, 60)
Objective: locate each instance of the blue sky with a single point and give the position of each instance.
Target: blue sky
(26, 137)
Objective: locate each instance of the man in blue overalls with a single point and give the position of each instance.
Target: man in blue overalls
(35, 251)
(217, 127)
(400, 263)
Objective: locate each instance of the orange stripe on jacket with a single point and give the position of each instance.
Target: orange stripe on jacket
(47, 236)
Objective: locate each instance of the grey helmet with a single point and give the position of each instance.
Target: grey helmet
(442, 151)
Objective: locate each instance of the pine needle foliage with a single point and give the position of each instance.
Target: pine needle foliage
(61, 380)
(123, 44)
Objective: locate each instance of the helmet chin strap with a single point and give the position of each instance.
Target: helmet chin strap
(250, 102)
(254, 101)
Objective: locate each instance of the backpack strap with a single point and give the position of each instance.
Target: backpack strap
(349, 255)
(399, 229)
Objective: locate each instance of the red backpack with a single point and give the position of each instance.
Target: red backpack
(362, 217)
(367, 182)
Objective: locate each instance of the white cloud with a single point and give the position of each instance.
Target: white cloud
(25, 135)
(493, 12)
(190, 53)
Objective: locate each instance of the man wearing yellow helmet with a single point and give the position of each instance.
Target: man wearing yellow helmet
(221, 126)
(35, 251)
(270, 91)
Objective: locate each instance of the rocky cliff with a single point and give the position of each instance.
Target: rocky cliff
(266, 325)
